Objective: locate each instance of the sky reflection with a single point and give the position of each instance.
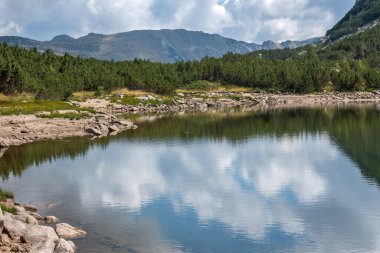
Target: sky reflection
(297, 193)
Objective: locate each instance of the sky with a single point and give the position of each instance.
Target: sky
(247, 20)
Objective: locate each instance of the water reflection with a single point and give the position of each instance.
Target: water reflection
(254, 182)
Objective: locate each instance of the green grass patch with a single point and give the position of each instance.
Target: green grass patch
(32, 107)
(126, 100)
(69, 115)
(201, 86)
(5, 195)
(135, 101)
(11, 210)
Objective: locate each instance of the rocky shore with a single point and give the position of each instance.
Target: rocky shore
(26, 231)
(202, 101)
(21, 129)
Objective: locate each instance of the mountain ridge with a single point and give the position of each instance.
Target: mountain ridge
(164, 45)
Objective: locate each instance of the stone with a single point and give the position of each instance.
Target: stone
(35, 215)
(5, 239)
(26, 218)
(50, 219)
(64, 246)
(30, 208)
(25, 131)
(14, 228)
(42, 238)
(67, 231)
(93, 130)
(126, 123)
(113, 128)
(3, 143)
(2, 151)
(1, 221)
(51, 205)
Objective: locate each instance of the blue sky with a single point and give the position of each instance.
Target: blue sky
(248, 20)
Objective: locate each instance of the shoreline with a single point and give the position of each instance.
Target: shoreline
(22, 229)
(22, 129)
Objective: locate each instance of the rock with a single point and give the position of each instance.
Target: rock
(50, 219)
(113, 128)
(1, 221)
(52, 205)
(14, 228)
(35, 215)
(93, 130)
(5, 239)
(26, 218)
(25, 131)
(2, 151)
(3, 143)
(42, 238)
(67, 231)
(64, 246)
(125, 123)
(30, 208)
(72, 245)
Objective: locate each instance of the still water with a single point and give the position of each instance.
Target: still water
(300, 180)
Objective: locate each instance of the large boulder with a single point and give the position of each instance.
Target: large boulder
(14, 228)
(67, 231)
(64, 246)
(42, 238)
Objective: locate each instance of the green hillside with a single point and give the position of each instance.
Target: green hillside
(364, 12)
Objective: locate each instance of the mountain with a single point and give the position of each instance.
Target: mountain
(364, 15)
(156, 45)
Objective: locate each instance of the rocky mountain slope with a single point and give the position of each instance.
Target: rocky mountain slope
(364, 15)
(156, 45)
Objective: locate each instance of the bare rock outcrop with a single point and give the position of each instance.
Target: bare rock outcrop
(67, 231)
(20, 232)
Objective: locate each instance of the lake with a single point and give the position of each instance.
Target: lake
(290, 180)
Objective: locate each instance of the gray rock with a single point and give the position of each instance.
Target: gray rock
(42, 238)
(50, 219)
(93, 130)
(67, 231)
(2, 151)
(64, 246)
(26, 218)
(25, 131)
(113, 128)
(1, 221)
(30, 208)
(14, 228)
(3, 143)
(35, 215)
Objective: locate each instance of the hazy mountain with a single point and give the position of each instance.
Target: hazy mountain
(155, 45)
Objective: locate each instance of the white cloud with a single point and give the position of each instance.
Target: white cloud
(9, 28)
(250, 20)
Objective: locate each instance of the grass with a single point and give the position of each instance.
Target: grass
(32, 107)
(5, 195)
(132, 93)
(83, 95)
(11, 210)
(68, 115)
(129, 100)
(205, 86)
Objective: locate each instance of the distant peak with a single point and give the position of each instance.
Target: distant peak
(62, 38)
